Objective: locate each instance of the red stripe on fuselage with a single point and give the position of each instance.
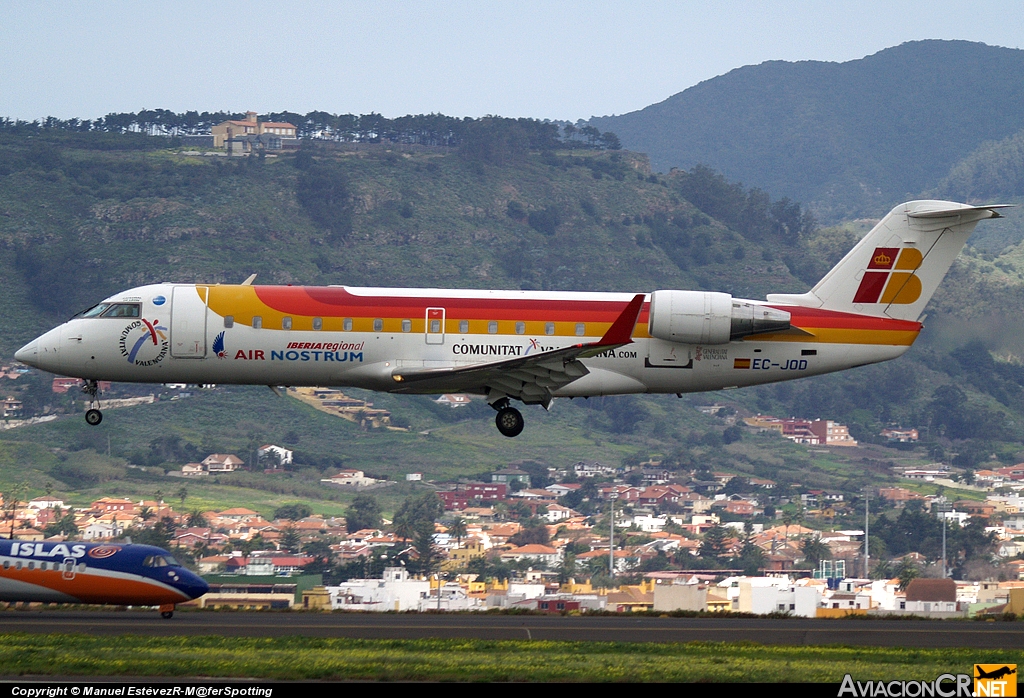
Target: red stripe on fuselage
(831, 319)
(314, 301)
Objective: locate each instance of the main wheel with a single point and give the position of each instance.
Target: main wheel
(93, 417)
(509, 421)
(167, 614)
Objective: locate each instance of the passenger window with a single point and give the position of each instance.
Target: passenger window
(520, 327)
(406, 325)
(286, 323)
(347, 324)
(463, 326)
(257, 322)
(581, 329)
(17, 565)
(229, 321)
(31, 565)
(378, 325)
(492, 327)
(549, 328)
(435, 326)
(318, 323)
(7, 564)
(122, 310)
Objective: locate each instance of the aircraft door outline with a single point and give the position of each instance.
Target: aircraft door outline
(188, 322)
(434, 327)
(67, 568)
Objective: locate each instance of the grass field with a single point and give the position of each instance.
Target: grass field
(475, 660)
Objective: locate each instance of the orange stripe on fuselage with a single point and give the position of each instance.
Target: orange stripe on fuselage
(93, 588)
(334, 304)
(831, 327)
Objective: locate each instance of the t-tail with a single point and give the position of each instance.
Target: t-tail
(896, 268)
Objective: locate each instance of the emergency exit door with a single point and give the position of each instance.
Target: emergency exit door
(435, 325)
(188, 322)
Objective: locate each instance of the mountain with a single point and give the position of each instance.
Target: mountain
(852, 139)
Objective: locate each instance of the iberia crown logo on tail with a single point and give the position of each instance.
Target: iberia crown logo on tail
(890, 277)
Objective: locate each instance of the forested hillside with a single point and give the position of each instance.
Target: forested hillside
(850, 139)
(85, 214)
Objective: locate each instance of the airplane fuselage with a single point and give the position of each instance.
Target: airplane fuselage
(265, 335)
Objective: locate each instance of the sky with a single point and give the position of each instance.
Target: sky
(546, 59)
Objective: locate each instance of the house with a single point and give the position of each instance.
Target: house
(240, 130)
(509, 475)
(10, 407)
(931, 596)
(277, 455)
(453, 401)
(193, 470)
(540, 553)
(351, 478)
(222, 463)
(900, 435)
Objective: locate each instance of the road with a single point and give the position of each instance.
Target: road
(880, 633)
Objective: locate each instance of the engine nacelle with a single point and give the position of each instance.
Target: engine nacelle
(708, 317)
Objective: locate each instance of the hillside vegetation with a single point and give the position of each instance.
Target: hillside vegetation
(850, 139)
(85, 215)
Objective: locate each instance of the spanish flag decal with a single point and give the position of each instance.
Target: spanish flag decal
(741, 363)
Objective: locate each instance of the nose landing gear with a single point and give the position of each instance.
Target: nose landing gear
(93, 416)
(509, 420)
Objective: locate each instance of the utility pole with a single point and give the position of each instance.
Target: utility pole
(867, 532)
(611, 536)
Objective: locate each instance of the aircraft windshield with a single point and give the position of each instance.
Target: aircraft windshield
(117, 310)
(94, 311)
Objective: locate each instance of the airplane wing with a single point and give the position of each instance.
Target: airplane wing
(530, 378)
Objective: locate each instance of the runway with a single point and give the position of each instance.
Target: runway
(796, 631)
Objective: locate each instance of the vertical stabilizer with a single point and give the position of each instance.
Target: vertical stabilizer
(896, 268)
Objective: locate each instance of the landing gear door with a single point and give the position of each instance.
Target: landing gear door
(435, 325)
(188, 322)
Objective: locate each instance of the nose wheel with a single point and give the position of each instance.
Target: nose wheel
(93, 416)
(167, 610)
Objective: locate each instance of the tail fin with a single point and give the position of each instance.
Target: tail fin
(896, 268)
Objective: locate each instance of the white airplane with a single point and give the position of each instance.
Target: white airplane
(531, 346)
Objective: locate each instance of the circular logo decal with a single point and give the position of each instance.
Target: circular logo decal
(144, 342)
(159, 300)
(102, 551)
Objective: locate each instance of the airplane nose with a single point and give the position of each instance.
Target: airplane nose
(28, 353)
(192, 584)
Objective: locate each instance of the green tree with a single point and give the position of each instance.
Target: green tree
(364, 512)
(293, 512)
(290, 540)
(814, 550)
(457, 528)
(715, 543)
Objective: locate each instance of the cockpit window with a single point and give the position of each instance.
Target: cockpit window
(94, 311)
(115, 310)
(122, 310)
(159, 561)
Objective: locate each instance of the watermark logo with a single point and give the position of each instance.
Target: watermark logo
(995, 680)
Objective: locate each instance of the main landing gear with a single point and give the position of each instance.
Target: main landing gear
(167, 610)
(509, 420)
(93, 416)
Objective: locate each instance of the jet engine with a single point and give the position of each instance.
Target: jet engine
(707, 317)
